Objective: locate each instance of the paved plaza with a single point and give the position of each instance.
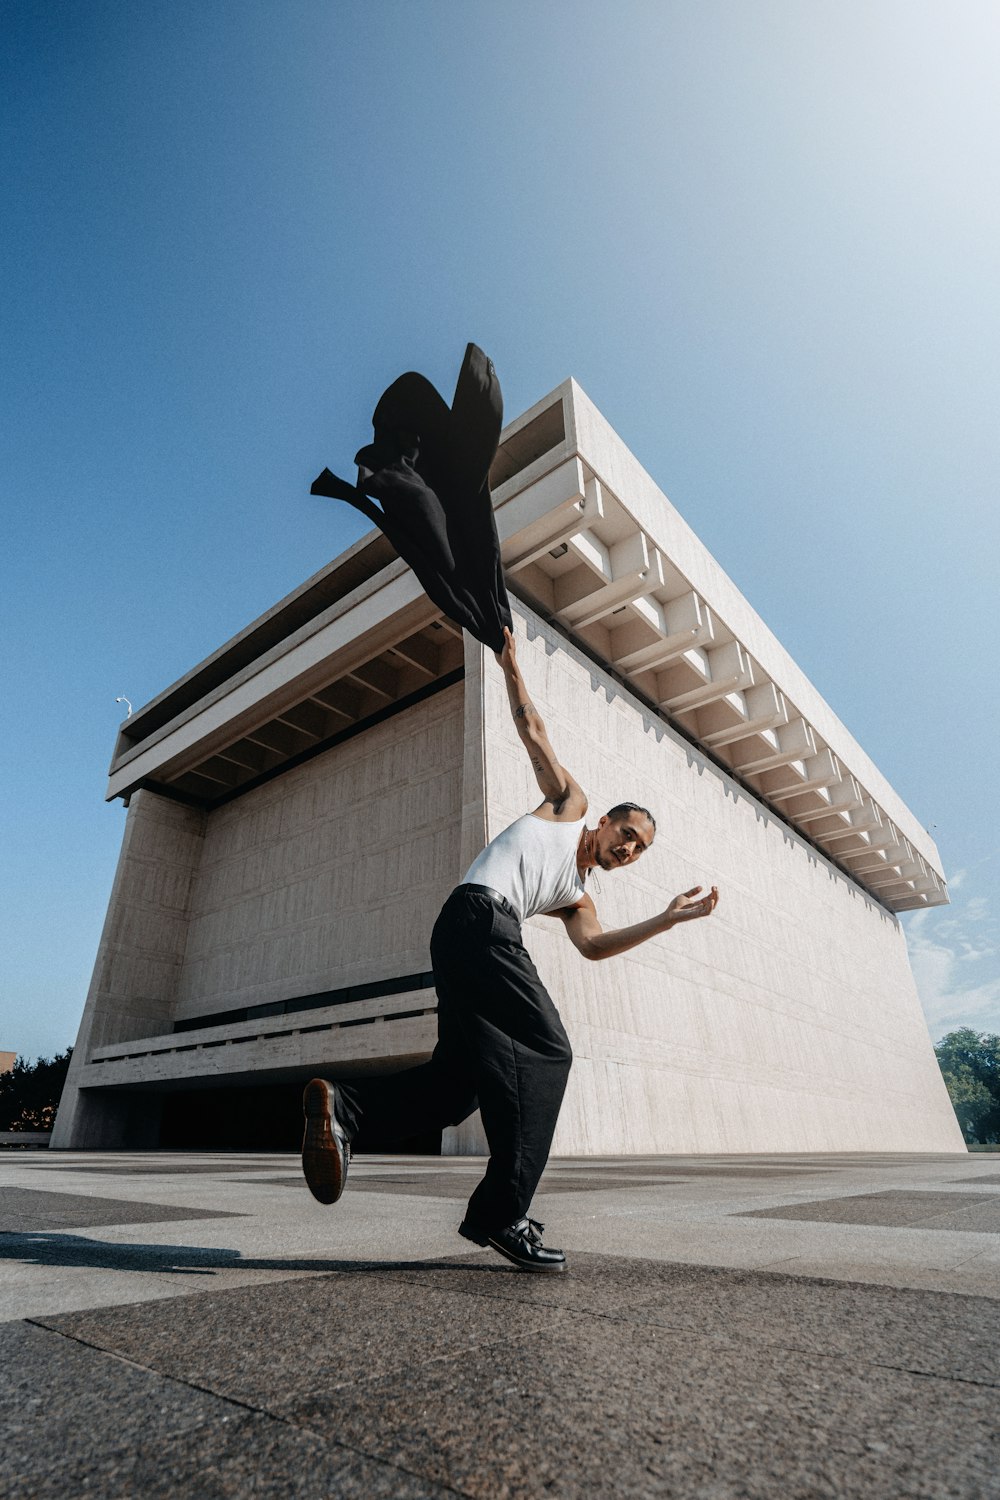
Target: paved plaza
(730, 1327)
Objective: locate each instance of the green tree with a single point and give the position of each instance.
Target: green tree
(29, 1094)
(970, 1066)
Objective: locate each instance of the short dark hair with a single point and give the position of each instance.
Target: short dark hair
(621, 808)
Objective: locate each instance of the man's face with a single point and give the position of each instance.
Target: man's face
(620, 841)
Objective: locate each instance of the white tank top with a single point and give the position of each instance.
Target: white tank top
(533, 864)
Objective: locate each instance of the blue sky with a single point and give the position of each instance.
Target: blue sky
(763, 236)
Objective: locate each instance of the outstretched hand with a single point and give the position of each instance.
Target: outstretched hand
(508, 656)
(685, 908)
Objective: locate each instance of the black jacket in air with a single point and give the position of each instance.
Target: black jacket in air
(428, 468)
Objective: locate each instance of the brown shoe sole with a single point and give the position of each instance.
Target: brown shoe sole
(324, 1157)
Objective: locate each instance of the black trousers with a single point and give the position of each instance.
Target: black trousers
(500, 1045)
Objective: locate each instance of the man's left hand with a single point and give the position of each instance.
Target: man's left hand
(685, 908)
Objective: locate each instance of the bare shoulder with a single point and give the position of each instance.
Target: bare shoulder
(570, 807)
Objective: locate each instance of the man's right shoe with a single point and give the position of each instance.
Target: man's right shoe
(326, 1150)
(520, 1243)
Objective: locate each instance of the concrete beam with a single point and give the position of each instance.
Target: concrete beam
(680, 625)
(789, 743)
(627, 570)
(357, 632)
(814, 774)
(726, 669)
(757, 709)
(860, 819)
(840, 797)
(545, 514)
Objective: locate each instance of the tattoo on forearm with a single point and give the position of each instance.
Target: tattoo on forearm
(523, 710)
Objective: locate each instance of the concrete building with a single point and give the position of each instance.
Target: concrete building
(300, 804)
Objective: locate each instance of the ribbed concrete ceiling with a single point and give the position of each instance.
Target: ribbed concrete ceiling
(357, 697)
(351, 700)
(573, 548)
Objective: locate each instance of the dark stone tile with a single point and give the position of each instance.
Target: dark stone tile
(667, 1170)
(629, 1175)
(57, 1397)
(605, 1285)
(78, 1376)
(78, 1421)
(289, 1180)
(253, 1454)
(886, 1158)
(934, 1333)
(23, 1210)
(459, 1185)
(420, 1185)
(983, 1219)
(449, 1185)
(748, 1172)
(587, 1408)
(273, 1345)
(426, 1185)
(150, 1169)
(895, 1210)
(623, 1377)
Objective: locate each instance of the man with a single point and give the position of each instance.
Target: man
(501, 1044)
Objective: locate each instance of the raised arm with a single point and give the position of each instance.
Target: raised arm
(588, 936)
(564, 800)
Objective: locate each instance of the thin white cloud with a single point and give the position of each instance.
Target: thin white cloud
(971, 954)
(950, 956)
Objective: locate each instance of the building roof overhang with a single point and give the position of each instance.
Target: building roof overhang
(590, 541)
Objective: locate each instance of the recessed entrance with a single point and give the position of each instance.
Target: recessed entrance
(259, 1117)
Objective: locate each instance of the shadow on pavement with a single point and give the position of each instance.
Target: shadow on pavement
(50, 1249)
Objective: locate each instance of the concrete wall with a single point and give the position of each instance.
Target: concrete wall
(789, 1021)
(133, 992)
(331, 874)
(327, 876)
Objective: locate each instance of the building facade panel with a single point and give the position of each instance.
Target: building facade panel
(327, 877)
(788, 1021)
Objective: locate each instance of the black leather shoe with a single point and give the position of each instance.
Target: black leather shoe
(326, 1150)
(522, 1244)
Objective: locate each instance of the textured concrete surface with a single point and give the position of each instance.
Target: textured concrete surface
(226, 1335)
(789, 1022)
(263, 899)
(76, 1421)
